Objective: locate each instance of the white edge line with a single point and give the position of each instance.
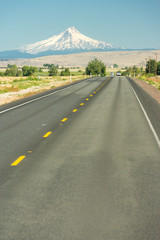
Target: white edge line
(148, 120)
(36, 99)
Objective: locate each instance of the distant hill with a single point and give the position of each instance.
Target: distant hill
(122, 58)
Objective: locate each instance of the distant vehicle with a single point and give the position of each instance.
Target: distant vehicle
(112, 74)
(118, 74)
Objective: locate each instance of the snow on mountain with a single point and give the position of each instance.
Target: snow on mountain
(70, 39)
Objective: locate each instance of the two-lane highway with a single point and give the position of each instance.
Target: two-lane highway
(96, 174)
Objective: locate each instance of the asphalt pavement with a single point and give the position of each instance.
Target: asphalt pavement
(81, 163)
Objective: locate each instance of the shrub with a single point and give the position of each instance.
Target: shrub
(66, 72)
(2, 74)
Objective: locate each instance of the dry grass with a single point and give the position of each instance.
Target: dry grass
(12, 88)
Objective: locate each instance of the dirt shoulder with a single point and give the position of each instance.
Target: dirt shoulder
(151, 90)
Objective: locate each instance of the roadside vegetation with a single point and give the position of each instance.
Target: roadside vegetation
(14, 79)
(149, 74)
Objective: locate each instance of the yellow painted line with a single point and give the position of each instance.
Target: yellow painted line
(75, 110)
(47, 134)
(15, 163)
(87, 99)
(64, 119)
(82, 104)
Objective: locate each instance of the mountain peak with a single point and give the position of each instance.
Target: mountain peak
(72, 29)
(70, 39)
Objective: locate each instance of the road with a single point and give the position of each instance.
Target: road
(81, 163)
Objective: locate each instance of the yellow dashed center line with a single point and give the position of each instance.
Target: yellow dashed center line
(47, 134)
(15, 163)
(64, 119)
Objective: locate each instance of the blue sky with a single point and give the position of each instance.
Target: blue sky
(130, 24)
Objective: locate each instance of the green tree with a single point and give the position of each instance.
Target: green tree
(29, 70)
(40, 70)
(50, 65)
(158, 68)
(151, 66)
(53, 71)
(96, 67)
(66, 72)
(135, 71)
(12, 70)
(115, 65)
(10, 66)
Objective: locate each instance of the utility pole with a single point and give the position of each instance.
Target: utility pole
(140, 70)
(149, 65)
(156, 68)
(146, 65)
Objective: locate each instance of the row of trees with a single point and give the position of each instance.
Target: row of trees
(12, 70)
(94, 67)
(47, 65)
(152, 68)
(133, 71)
(53, 71)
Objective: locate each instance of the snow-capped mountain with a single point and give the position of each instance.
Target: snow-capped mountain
(70, 39)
